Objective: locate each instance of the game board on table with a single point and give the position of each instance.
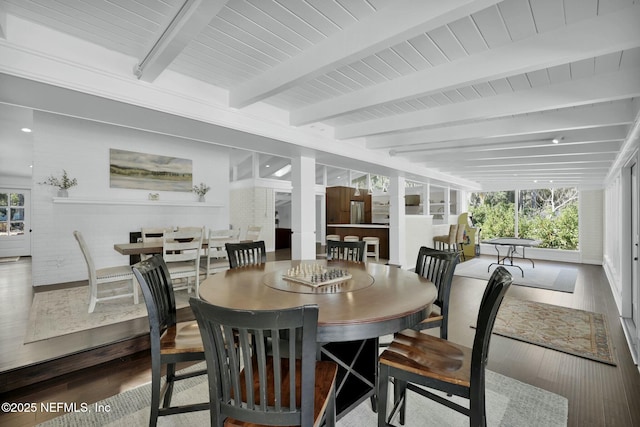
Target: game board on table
(316, 275)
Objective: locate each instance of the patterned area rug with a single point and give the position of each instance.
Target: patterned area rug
(64, 311)
(577, 332)
(509, 403)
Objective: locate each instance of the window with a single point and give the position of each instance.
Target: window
(546, 214)
(11, 214)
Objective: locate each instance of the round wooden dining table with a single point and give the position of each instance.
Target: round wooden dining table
(377, 300)
(374, 300)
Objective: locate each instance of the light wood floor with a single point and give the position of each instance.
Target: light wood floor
(598, 394)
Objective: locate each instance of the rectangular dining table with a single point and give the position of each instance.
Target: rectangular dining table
(144, 248)
(374, 300)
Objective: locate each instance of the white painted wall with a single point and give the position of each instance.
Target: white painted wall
(254, 206)
(591, 211)
(82, 148)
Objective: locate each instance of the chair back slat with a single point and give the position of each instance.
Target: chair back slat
(253, 363)
(247, 253)
(349, 251)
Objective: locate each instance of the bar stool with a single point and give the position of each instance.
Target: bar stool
(375, 242)
(351, 238)
(335, 237)
(449, 240)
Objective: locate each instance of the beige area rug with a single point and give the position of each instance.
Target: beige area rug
(577, 332)
(64, 311)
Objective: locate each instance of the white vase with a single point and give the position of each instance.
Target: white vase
(63, 192)
(201, 199)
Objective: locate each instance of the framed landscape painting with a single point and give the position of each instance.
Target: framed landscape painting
(129, 169)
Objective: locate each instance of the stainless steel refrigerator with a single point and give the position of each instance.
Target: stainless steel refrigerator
(357, 212)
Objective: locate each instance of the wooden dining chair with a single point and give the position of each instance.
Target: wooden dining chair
(171, 342)
(247, 253)
(350, 251)
(102, 276)
(181, 251)
(438, 267)
(415, 359)
(263, 380)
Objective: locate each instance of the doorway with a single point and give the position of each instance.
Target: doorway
(282, 217)
(630, 303)
(15, 214)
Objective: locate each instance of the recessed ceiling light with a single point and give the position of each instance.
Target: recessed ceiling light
(267, 166)
(26, 130)
(557, 140)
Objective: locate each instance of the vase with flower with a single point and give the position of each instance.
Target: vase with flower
(64, 183)
(201, 190)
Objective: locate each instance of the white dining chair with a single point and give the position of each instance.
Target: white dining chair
(216, 254)
(101, 276)
(181, 252)
(153, 234)
(253, 233)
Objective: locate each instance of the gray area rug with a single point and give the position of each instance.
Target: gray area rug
(509, 403)
(554, 278)
(64, 311)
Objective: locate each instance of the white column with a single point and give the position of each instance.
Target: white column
(255, 165)
(303, 208)
(397, 221)
(321, 220)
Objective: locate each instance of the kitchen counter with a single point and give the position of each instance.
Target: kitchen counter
(380, 231)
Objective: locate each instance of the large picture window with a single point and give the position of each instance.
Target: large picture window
(546, 214)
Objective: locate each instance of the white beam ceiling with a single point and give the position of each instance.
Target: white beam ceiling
(602, 88)
(405, 20)
(465, 92)
(586, 39)
(584, 117)
(190, 20)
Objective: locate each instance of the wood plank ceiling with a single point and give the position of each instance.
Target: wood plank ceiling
(494, 92)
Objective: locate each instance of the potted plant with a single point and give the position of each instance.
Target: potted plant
(63, 183)
(201, 190)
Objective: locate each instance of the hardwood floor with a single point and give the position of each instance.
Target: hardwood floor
(598, 394)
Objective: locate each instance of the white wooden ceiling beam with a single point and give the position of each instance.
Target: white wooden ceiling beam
(568, 138)
(601, 88)
(430, 159)
(525, 163)
(608, 33)
(3, 22)
(190, 20)
(606, 114)
(400, 21)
